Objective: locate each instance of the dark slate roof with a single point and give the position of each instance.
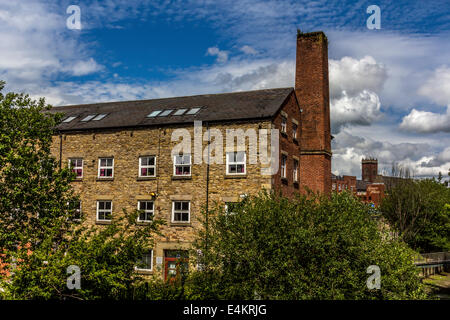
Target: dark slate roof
(215, 107)
(361, 185)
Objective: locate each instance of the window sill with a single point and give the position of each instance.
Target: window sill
(180, 224)
(103, 222)
(143, 271)
(78, 180)
(145, 178)
(105, 179)
(236, 176)
(181, 177)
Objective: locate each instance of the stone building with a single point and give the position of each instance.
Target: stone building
(123, 152)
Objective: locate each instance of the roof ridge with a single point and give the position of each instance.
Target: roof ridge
(176, 97)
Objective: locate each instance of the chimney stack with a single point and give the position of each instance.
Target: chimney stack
(312, 90)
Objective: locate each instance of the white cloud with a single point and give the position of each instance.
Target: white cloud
(426, 122)
(348, 150)
(222, 56)
(36, 46)
(82, 68)
(248, 50)
(353, 91)
(437, 87)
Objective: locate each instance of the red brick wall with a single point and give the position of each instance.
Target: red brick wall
(289, 145)
(312, 89)
(369, 169)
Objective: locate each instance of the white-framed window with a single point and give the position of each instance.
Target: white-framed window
(283, 165)
(146, 262)
(75, 207)
(295, 170)
(283, 124)
(104, 210)
(146, 208)
(236, 162)
(181, 211)
(147, 166)
(230, 207)
(76, 164)
(106, 167)
(182, 165)
(294, 130)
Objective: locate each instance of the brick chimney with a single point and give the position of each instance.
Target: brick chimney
(312, 89)
(369, 169)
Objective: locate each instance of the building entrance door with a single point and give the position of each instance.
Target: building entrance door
(176, 263)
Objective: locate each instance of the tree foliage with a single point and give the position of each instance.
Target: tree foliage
(39, 233)
(419, 211)
(310, 248)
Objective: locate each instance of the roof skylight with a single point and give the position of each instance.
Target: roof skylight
(154, 113)
(193, 110)
(179, 112)
(99, 117)
(69, 119)
(165, 113)
(88, 118)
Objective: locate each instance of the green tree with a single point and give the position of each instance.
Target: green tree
(40, 235)
(311, 248)
(418, 211)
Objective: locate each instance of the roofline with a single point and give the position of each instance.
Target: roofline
(160, 125)
(197, 95)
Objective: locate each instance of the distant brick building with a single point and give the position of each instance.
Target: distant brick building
(122, 152)
(371, 188)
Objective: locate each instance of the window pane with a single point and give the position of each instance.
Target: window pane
(89, 117)
(179, 112)
(99, 117)
(177, 205)
(240, 156)
(193, 111)
(185, 206)
(165, 113)
(102, 162)
(154, 113)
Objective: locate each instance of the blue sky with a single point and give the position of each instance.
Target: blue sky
(390, 88)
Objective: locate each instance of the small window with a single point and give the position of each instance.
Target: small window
(146, 211)
(180, 211)
(236, 162)
(283, 124)
(99, 117)
(75, 209)
(147, 166)
(154, 113)
(295, 171)
(146, 262)
(182, 165)
(69, 119)
(294, 130)
(105, 167)
(180, 112)
(165, 113)
(193, 111)
(77, 166)
(283, 166)
(104, 210)
(88, 118)
(230, 207)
